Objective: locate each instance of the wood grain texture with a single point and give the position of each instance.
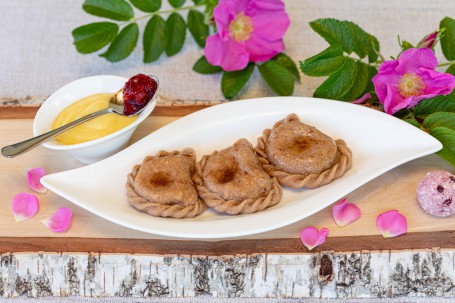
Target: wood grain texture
(410, 241)
(161, 109)
(358, 274)
(392, 190)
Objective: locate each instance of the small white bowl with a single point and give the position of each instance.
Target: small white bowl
(98, 149)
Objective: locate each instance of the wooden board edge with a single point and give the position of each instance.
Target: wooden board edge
(171, 109)
(411, 241)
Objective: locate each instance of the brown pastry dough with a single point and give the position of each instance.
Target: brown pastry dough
(233, 181)
(163, 186)
(299, 155)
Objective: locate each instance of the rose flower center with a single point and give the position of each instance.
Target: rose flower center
(411, 85)
(240, 28)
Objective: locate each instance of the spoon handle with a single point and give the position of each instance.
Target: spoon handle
(24, 146)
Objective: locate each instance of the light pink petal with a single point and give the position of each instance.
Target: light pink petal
(60, 221)
(362, 99)
(263, 50)
(24, 206)
(230, 55)
(312, 237)
(261, 12)
(411, 60)
(33, 180)
(224, 13)
(391, 224)
(345, 213)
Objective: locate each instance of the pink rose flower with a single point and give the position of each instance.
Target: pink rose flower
(247, 31)
(405, 82)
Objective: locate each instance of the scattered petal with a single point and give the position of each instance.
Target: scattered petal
(391, 224)
(362, 99)
(312, 237)
(345, 213)
(24, 206)
(33, 180)
(60, 221)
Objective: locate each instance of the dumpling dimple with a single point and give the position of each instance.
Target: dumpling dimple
(300, 148)
(233, 181)
(163, 185)
(299, 155)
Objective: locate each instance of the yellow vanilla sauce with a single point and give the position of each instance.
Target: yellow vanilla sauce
(93, 129)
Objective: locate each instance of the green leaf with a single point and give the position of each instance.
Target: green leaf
(288, 63)
(334, 32)
(447, 137)
(209, 7)
(372, 71)
(338, 83)
(360, 83)
(198, 1)
(197, 26)
(233, 82)
(436, 104)
(361, 40)
(175, 32)
(94, 36)
(440, 119)
(155, 39)
(448, 39)
(405, 45)
(325, 63)
(277, 77)
(374, 49)
(451, 69)
(123, 44)
(118, 10)
(176, 3)
(413, 122)
(148, 6)
(202, 66)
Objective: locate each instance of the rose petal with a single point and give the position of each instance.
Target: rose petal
(230, 55)
(312, 237)
(362, 99)
(345, 213)
(24, 206)
(33, 179)
(60, 221)
(391, 224)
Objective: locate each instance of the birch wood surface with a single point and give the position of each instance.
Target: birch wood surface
(324, 275)
(393, 190)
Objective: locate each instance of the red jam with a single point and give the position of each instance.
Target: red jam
(138, 92)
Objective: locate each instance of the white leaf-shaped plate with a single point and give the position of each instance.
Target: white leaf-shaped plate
(379, 142)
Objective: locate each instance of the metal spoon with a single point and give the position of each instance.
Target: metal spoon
(116, 105)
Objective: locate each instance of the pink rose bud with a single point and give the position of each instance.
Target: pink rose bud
(428, 41)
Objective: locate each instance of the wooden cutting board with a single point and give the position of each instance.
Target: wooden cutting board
(392, 190)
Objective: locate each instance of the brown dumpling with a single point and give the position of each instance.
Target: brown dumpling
(299, 155)
(233, 181)
(163, 185)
